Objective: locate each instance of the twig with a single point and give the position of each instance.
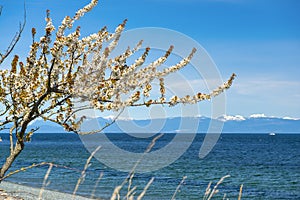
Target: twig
(15, 39)
(104, 127)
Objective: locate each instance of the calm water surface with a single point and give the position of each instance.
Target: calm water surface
(267, 166)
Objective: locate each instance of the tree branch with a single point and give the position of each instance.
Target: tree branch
(15, 39)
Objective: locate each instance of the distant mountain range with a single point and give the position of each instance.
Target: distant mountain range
(257, 123)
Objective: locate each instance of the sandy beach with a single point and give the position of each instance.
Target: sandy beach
(12, 191)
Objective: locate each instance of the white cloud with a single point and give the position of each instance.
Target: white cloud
(225, 118)
(258, 116)
(291, 118)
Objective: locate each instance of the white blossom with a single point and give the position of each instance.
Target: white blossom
(62, 68)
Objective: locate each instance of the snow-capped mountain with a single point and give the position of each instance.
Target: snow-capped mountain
(256, 123)
(260, 123)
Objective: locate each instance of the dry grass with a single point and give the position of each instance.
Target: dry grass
(131, 191)
(83, 173)
(178, 187)
(45, 182)
(240, 193)
(209, 193)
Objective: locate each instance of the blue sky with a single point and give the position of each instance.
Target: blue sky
(258, 40)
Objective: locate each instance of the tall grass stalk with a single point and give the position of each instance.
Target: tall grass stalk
(207, 191)
(116, 193)
(240, 193)
(145, 189)
(178, 187)
(45, 182)
(96, 185)
(210, 193)
(83, 173)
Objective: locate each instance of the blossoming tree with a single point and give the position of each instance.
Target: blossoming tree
(49, 82)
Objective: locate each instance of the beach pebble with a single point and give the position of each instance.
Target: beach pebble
(6, 196)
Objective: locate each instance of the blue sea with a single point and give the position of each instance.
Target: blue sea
(267, 166)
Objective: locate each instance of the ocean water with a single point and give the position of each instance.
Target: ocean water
(267, 166)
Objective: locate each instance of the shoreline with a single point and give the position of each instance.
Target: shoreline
(13, 191)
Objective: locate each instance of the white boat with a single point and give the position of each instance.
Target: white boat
(0, 139)
(272, 134)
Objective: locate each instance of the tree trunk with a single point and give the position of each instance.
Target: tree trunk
(10, 159)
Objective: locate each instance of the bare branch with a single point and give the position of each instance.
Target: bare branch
(15, 39)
